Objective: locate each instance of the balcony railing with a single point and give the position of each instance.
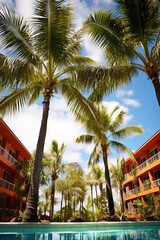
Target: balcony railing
(8, 156)
(133, 211)
(7, 185)
(145, 187)
(144, 164)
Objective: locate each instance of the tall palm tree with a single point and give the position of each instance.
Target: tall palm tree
(117, 176)
(41, 60)
(131, 35)
(105, 133)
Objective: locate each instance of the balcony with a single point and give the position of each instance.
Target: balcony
(7, 185)
(7, 156)
(143, 188)
(145, 164)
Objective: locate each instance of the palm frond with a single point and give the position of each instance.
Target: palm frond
(117, 118)
(85, 138)
(52, 28)
(95, 155)
(119, 147)
(108, 31)
(15, 101)
(155, 51)
(15, 34)
(141, 18)
(15, 73)
(104, 80)
(127, 132)
(77, 103)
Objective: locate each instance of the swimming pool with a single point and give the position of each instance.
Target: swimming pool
(80, 231)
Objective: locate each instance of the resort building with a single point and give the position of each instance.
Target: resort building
(12, 153)
(143, 176)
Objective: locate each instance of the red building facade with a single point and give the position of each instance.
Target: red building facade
(142, 177)
(12, 152)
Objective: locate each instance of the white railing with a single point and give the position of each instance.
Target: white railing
(8, 185)
(8, 156)
(135, 191)
(144, 164)
(133, 211)
(156, 183)
(145, 187)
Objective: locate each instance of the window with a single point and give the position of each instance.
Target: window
(153, 152)
(12, 153)
(7, 176)
(145, 178)
(157, 175)
(142, 160)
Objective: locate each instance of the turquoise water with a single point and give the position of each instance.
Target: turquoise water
(81, 231)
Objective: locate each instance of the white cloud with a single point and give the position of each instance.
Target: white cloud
(122, 93)
(81, 12)
(98, 2)
(24, 8)
(8, 3)
(131, 102)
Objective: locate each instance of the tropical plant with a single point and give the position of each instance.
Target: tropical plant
(117, 176)
(105, 133)
(41, 60)
(146, 209)
(129, 35)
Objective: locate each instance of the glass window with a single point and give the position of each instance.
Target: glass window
(12, 153)
(142, 160)
(7, 176)
(157, 175)
(153, 152)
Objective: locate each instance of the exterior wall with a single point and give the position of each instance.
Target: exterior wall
(11, 152)
(143, 176)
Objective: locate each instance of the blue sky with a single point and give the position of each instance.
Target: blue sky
(138, 99)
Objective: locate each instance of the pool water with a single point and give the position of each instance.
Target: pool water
(81, 231)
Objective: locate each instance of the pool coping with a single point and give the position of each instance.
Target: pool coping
(59, 225)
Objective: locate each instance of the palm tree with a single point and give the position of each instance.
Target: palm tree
(41, 60)
(129, 35)
(98, 174)
(55, 166)
(117, 177)
(106, 133)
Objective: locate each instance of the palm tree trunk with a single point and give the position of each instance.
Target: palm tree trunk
(122, 201)
(92, 200)
(32, 200)
(101, 195)
(61, 205)
(108, 181)
(52, 199)
(156, 84)
(96, 196)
